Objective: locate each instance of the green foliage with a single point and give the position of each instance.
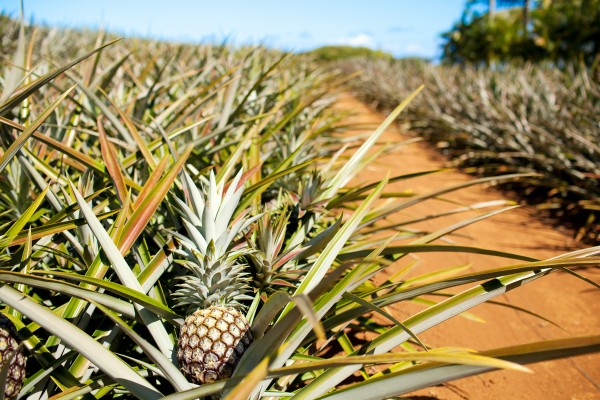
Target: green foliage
(568, 30)
(489, 39)
(558, 31)
(334, 53)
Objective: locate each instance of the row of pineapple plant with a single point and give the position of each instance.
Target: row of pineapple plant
(528, 118)
(178, 221)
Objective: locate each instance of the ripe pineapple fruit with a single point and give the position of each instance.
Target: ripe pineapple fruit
(211, 342)
(214, 337)
(8, 346)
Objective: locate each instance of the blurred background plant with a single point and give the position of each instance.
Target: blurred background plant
(334, 53)
(517, 119)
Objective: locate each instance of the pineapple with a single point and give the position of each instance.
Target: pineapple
(10, 352)
(214, 337)
(211, 342)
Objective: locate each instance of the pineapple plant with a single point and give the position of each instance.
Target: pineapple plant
(10, 352)
(272, 260)
(213, 338)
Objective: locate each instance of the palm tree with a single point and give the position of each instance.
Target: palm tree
(493, 4)
(526, 6)
(491, 7)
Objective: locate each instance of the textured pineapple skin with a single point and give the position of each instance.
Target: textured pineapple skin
(211, 342)
(8, 346)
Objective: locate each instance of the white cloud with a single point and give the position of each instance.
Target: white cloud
(414, 48)
(361, 39)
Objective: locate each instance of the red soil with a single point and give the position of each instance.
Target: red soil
(566, 300)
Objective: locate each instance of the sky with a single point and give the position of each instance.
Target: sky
(401, 27)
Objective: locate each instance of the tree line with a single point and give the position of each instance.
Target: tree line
(559, 31)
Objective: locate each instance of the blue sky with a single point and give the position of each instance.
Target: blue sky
(402, 27)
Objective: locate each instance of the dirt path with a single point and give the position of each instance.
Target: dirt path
(572, 304)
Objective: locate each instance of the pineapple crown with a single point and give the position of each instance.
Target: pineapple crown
(311, 190)
(309, 193)
(212, 247)
(215, 281)
(272, 261)
(208, 216)
(270, 234)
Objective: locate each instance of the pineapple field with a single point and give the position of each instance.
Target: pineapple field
(192, 221)
(518, 118)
